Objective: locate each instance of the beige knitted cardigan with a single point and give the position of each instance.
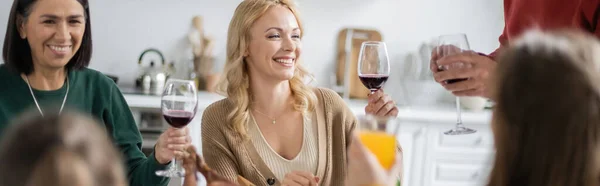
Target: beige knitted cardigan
(230, 155)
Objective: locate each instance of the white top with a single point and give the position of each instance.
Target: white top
(306, 160)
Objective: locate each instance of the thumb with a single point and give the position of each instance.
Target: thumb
(317, 179)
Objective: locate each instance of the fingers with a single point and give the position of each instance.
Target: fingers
(386, 108)
(295, 180)
(178, 148)
(175, 132)
(393, 112)
(179, 140)
(433, 65)
(381, 104)
(376, 105)
(306, 178)
(464, 57)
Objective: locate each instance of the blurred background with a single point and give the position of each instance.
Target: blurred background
(130, 35)
(123, 29)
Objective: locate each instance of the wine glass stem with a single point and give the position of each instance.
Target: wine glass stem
(175, 167)
(458, 114)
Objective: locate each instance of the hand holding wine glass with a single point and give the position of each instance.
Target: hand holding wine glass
(449, 45)
(171, 144)
(179, 104)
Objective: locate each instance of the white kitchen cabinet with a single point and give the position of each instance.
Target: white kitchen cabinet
(430, 157)
(433, 158)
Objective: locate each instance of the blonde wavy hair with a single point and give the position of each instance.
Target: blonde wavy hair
(236, 83)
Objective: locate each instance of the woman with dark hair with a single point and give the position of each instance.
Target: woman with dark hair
(47, 48)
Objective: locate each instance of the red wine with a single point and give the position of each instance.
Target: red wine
(178, 118)
(452, 80)
(373, 82)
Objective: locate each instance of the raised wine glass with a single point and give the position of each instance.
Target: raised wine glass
(179, 103)
(450, 45)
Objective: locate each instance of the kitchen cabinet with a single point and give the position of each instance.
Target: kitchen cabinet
(430, 157)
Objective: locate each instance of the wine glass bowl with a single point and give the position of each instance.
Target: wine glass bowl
(179, 102)
(373, 65)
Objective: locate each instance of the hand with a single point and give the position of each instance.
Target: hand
(190, 164)
(478, 73)
(381, 104)
(364, 168)
(300, 178)
(193, 163)
(171, 144)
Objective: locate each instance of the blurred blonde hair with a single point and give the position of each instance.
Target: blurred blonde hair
(546, 120)
(65, 150)
(236, 83)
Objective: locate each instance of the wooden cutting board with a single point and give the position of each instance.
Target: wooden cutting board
(357, 89)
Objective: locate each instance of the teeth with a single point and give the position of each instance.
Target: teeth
(60, 49)
(285, 61)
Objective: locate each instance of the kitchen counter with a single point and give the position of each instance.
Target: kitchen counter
(436, 113)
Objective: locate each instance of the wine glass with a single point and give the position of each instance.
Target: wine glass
(373, 65)
(179, 104)
(449, 45)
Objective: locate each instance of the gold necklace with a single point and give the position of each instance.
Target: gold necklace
(272, 119)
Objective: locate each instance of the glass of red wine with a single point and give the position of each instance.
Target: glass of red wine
(449, 45)
(179, 104)
(373, 65)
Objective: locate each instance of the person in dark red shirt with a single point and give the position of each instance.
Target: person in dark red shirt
(519, 16)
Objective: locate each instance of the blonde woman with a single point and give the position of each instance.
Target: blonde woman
(273, 128)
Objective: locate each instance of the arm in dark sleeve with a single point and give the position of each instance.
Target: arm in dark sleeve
(139, 168)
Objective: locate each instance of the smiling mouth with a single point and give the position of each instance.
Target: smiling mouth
(285, 61)
(60, 48)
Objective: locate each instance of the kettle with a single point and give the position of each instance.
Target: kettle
(151, 79)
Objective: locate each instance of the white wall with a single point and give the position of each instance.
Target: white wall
(122, 29)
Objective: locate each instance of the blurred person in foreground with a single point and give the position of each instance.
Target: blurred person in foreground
(59, 150)
(546, 122)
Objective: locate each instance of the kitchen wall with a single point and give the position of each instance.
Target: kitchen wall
(122, 29)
